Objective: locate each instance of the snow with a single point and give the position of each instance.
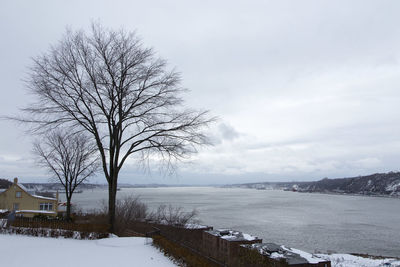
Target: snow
(3, 223)
(24, 188)
(48, 198)
(276, 255)
(392, 187)
(343, 260)
(347, 260)
(2, 211)
(18, 250)
(232, 235)
(195, 226)
(36, 211)
(308, 256)
(31, 192)
(248, 237)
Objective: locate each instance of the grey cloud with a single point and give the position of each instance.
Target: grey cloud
(228, 132)
(305, 89)
(223, 132)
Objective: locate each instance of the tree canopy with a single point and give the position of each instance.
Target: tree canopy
(107, 84)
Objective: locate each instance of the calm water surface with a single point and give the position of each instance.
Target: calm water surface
(312, 222)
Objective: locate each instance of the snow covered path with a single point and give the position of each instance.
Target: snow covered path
(18, 250)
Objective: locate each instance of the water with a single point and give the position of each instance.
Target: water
(312, 222)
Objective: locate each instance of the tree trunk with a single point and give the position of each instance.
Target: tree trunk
(68, 216)
(112, 195)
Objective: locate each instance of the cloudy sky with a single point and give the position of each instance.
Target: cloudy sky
(303, 89)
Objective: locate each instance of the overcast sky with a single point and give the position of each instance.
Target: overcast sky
(303, 89)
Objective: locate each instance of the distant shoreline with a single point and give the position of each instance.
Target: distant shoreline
(349, 194)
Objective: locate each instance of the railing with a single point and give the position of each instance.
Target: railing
(190, 239)
(153, 233)
(180, 242)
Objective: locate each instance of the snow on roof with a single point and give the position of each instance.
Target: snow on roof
(308, 256)
(195, 226)
(265, 248)
(3, 211)
(276, 255)
(48, 198)
(249, 237)
(23, 187)
(291, 255)
(232, 235)
(31, 192)
(36, 211)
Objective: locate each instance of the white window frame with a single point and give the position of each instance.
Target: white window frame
(46, 206)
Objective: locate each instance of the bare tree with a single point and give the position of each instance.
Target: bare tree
(70, 158)
(107, 84)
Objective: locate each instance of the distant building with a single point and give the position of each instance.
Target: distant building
(223, 245)
(25, 203)
(291, 257)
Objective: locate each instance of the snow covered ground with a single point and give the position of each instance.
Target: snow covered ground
(19, 250)
(347, 260)
(341, 260)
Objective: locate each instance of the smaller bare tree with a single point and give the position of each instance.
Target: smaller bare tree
(69, 158)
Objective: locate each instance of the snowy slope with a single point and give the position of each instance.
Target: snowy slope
(18, 250)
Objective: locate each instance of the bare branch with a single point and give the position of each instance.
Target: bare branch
(69, 158)
(106, 84)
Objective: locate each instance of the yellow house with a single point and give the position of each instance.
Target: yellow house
(17, 198)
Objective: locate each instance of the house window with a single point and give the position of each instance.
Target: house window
(16, 206)
(46, 206)
(18, 194)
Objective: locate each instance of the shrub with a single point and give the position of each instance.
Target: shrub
(131, 209)
(127, 210)
(47, 232)
(175, 216)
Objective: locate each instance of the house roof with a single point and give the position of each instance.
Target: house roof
(30, 193)
(26, 190)
(290, 255)
(232, 235)
(23, 187)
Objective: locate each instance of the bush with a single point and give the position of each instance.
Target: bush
(131, 209)
(41, 217)
(48, 232)
(171, 215)
(55, 224)
(127, 210)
